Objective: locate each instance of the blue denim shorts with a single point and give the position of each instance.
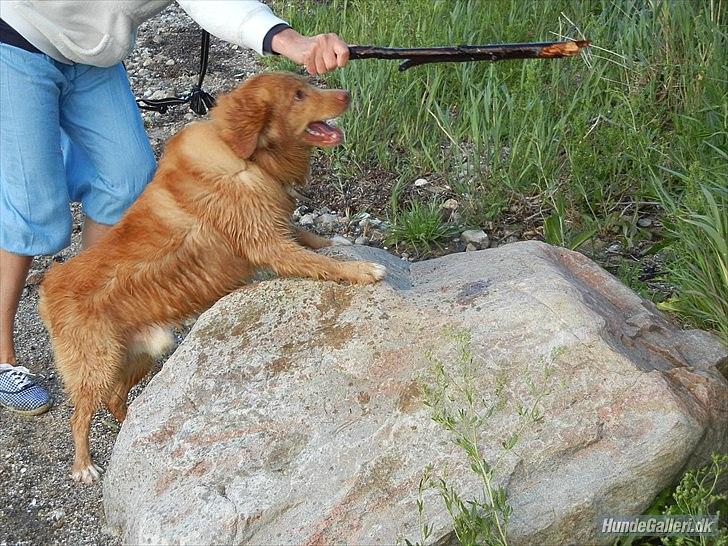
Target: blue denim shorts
(68, 133)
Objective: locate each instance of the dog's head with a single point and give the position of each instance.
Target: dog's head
(279, 110)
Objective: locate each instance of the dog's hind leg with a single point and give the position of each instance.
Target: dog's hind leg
(84, 470)
(87, 390)
(89, 364)
(133, 371)
(144, 347)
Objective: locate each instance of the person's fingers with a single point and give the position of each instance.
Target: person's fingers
(324, 53)
(320, 62)
(342, 54)
(308, 61)
(329, 58)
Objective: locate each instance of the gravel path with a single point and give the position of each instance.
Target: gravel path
(39, 504)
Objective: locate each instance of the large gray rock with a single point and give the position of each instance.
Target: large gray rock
(293, 414)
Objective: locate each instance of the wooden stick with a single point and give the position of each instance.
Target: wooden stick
(496, 52)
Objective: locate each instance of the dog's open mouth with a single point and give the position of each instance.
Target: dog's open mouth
(323, 134)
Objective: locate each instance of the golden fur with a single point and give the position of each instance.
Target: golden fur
(217, 208)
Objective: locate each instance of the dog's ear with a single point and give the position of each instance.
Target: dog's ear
(242, 116)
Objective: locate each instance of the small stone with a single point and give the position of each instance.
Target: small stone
(421, 182)
(644, 222)
(361, 240)
(300, 211)
(34, 277)
(169, 62)
(450, 204)
(158, 94)
(328, 219)
(339, 240)
(476, 237)
(471, 248)
(307, 219)
(364, 223)
(616, 248)
(147, 62)
(56, 515)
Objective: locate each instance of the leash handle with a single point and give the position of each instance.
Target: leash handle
(199, 100)
(465, 53)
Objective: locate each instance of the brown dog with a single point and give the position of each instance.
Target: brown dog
(218, 207)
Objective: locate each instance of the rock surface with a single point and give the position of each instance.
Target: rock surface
(293, 413)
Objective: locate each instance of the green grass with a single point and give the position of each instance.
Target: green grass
(419, 227)
(641, 119)
(698, 251)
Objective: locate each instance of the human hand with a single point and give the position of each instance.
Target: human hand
(318, 54)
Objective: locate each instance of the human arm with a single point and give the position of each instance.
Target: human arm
(247, 22)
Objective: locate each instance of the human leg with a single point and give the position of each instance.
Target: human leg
(103, 123)
(34, 215)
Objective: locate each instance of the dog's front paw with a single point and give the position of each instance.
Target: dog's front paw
(87, 474)
(370, 272)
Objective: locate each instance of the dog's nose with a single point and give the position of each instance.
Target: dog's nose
(343, 96)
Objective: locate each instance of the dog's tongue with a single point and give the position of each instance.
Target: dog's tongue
(320, 133)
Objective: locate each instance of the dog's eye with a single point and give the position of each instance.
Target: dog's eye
(299, 95)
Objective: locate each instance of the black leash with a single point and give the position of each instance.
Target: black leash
(200, 101)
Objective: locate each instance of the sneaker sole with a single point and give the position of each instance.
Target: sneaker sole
(28, 413)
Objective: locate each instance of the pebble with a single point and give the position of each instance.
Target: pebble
(361, 240)
(471, 248)
(328, 219)
(450, 204)
(56, 515)
(616, 248)
(421, 182)
(340, 240)
(644, 222)
(34, 277)
(159, 94)
(169, 62)
(476, 237)
(307, 219)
